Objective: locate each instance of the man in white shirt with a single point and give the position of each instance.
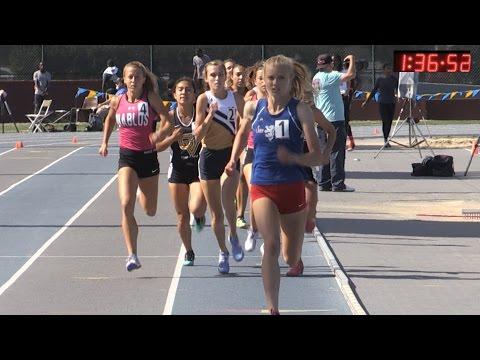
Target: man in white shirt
(109, 77)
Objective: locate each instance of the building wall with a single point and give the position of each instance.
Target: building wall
(62, 92)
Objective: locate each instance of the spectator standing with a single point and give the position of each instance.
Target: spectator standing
(387, 87)
(41, 80)
(109, 77)
(199, 61)
(328, 99)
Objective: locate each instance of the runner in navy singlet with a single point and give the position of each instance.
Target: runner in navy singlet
(183, 180)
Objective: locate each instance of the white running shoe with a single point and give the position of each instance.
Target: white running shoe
(251, 241)
(223, 265)
(133, 263)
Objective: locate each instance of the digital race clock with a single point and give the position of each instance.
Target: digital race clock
(432, 61)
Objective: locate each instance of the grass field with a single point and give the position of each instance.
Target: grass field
(23, 127)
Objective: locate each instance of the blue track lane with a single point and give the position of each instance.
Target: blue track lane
(37, 208)
(202, 290)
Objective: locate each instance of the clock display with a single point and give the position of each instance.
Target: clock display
(432, 61)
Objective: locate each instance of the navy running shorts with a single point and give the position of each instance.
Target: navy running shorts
(212, 163)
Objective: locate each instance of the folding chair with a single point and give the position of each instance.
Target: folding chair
(37, 119)
(89, 104)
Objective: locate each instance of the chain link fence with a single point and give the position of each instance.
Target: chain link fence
(87, 62)
(19, 62)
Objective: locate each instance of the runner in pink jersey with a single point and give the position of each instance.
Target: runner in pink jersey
(258, 91)
(136, 113)
(239, 87)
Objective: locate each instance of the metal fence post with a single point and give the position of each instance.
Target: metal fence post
(151, 57)
(373, 63)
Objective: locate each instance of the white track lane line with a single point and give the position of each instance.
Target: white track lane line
(38, 172)
(55, 236)
(5, 152)
(172, 291)
(340, 276)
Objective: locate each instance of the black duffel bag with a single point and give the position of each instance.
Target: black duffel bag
(438, 165)
(442, 165)
(423, 168)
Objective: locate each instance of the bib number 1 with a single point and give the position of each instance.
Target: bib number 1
(281, 129)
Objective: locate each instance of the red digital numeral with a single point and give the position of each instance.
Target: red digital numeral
(404, 62)
(420, 62)
(452, 64)
(466, 63)
(432, 63)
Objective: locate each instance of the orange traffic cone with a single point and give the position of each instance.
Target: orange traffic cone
(18, 144)
(74, 140)
(375, 131)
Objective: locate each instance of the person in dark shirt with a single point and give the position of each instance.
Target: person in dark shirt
(387, 87)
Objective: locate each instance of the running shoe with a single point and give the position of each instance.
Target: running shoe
(189, 258)
(223, 266)
(241, 223)
(296, 270)
(200, 223)
(236, 248)
(133, 263)
(251, 241)
(345, 188)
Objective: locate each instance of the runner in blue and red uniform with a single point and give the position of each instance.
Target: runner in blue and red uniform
(279, 123)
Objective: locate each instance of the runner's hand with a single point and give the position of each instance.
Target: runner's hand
(103, 151)
(230, 168)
